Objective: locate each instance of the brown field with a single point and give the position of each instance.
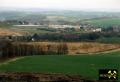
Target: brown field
(40, 77)
(9, 32)
(82, 47)
(90, 47)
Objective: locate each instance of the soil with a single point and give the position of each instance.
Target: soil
(40, 77)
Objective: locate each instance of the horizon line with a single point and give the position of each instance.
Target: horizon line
(58, 9)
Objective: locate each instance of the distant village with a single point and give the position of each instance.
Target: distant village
(85, 27)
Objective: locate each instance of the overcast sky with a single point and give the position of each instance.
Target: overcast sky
(112, 5)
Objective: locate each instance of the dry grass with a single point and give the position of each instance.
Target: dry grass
(90, 47)
(8, 32)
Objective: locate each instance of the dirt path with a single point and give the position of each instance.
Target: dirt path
(101, 52)
(108, 51)
(11, 60)
(114, 50)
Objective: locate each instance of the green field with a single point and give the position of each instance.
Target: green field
(105, 22)
(85, 65)
(113, 40)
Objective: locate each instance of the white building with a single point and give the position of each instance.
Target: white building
(97, 30)
(64, 26)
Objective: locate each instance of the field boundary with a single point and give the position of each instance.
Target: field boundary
(11, 60)
(107, 51)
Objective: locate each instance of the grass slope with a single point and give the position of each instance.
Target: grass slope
(85, 65)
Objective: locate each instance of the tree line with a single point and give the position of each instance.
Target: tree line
(65, 37)
(25, 49)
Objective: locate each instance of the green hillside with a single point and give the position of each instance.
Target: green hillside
(85, 65)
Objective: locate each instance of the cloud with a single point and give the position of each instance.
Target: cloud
(63, 4)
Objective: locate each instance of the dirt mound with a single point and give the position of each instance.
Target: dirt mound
(38, 77)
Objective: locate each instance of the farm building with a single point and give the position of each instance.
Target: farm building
(64, 26)
(97, 30)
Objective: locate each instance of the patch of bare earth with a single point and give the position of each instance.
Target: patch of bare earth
(40, 77)
(9, 32)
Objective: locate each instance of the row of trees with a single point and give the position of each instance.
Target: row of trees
(67, 37)
(64, 37)
(74, 37)
(26, 49)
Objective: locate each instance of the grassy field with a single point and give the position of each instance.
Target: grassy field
(85, 65)
(109, 40)
(105, 22)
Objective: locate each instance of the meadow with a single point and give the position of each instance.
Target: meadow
(84, 65)
(105, 22)
(113, 40)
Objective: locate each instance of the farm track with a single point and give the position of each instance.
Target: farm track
(11, 60)
(107, 51)
(113, 50)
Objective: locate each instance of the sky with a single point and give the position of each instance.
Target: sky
(108, 5)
